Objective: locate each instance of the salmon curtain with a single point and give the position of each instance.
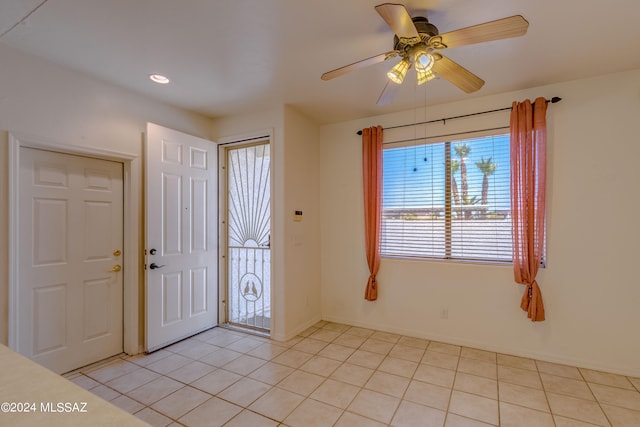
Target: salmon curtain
(528, 184)
(372, 182)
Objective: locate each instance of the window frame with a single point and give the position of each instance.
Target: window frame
(448, 144)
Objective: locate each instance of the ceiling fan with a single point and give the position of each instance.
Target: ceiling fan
(417, 43)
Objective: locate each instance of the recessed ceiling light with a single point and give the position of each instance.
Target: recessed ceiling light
(159, 78)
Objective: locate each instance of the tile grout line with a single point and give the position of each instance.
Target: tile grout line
(446, 414)
(312, 352)
(546, 396)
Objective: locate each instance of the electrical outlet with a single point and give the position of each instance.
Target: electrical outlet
(444, 313)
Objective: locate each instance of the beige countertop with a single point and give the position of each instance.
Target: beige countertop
(31, 395)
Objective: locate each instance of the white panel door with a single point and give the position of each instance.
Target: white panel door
(70, 256)
(181, 263)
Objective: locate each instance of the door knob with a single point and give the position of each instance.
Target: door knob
(116, 268)
(153, 266)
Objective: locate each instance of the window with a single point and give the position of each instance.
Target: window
(448, 200)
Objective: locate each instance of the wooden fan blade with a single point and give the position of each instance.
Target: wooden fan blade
(399, 20)
(505, 28)
(357, 65)
(457, 74)
(388, 93)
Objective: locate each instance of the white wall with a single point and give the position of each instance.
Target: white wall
(302, 244)
(295, 245)
(590, 287)
(65, 108)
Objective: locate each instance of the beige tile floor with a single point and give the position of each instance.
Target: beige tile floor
(343, 376)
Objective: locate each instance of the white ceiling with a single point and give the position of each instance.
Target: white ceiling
(231, 56)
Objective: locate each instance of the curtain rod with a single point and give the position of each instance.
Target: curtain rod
(552, 100)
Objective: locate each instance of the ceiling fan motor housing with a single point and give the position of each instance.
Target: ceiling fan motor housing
(426, 30)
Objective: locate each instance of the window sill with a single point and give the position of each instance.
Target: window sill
(448, 260)
(543, 264)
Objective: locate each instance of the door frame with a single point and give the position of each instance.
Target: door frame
(132, 179)
(224, 143)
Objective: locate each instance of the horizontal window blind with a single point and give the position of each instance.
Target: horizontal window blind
(448, 200)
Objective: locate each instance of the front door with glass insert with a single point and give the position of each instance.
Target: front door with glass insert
(247, 234)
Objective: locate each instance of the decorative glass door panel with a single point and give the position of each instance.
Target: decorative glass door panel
(248, 236)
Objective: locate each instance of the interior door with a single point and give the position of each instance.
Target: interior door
(70, 259)
(247, 173)
(181, 219)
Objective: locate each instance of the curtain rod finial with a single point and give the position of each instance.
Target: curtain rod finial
(359, 132)
(555, 99)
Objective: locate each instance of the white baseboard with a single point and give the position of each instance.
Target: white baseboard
(542, 356)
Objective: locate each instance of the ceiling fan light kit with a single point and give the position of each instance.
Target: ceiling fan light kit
(416, 41)
(399, 71)
(422, 60)
(424, 76)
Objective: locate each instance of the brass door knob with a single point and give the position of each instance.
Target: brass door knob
(116, 268)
